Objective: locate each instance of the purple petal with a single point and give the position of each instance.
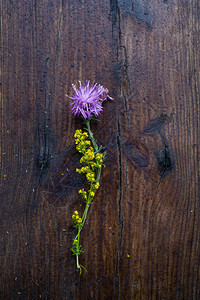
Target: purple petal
(87, 100)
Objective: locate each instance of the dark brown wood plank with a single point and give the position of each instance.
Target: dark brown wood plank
(159, 113)
(142, 234)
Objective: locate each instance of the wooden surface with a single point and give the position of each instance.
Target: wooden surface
(147, 54)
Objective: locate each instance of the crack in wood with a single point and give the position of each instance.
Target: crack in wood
(120, 215)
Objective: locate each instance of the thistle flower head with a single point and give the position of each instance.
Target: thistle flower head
(87, 100)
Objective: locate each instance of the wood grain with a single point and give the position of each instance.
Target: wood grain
(142, 235)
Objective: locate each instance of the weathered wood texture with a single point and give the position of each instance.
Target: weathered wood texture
(147, 54)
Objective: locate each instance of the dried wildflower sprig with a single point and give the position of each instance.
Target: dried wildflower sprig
(87, 101)
(92, 161)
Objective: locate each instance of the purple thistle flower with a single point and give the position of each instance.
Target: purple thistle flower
(87, 100)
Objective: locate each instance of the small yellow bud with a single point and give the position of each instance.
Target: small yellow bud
(76, 212)
(97, 185)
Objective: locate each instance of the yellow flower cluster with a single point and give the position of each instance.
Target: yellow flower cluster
(96, 185)
(93, 189)
(90, 176)
(99, 157)
(80, 141)
(83, 194)
(91, 162)
(91, 192)
(99, 160)
(89, 155)
(83, 146)
(77, 220)
(83, 170)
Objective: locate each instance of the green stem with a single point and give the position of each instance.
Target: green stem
(86, 211)
(77, 261)
(87, 122)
